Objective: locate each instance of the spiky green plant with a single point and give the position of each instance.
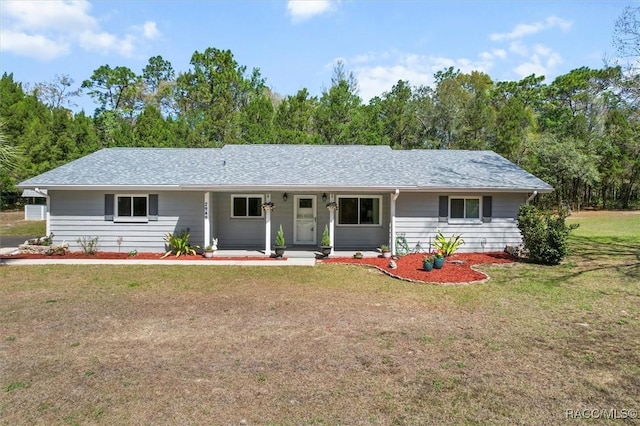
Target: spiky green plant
(448, 246)
(178, 244)
(280, 238)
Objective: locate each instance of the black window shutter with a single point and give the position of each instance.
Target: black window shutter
(108, 206)
(443, 208)
(487, 209)
(153, 206)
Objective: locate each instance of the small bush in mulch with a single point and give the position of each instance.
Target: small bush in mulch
(457, 269)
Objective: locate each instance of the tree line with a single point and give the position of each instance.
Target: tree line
(580, 132)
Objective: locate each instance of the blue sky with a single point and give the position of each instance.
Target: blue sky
(296, 44)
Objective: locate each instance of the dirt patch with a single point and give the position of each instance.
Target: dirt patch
(603, 213)
(458, 268)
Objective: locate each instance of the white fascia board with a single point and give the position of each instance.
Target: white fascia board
(478, 189)
(292, 188)
(103, 187)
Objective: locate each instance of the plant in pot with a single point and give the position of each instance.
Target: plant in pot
(325, 242)
(438, 259)
(427, 262)
(210, 250)
(280, 243)
(386, 251)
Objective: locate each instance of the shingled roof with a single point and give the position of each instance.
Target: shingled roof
(290, 166)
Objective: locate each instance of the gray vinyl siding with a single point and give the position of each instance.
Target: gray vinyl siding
(364, 237)
(80, 214)
(417, 220)
(249, 233)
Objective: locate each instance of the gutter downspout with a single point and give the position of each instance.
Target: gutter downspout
(531, 197)
(394, 197)
(47, 215)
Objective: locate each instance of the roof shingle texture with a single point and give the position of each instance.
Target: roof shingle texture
(292, 165)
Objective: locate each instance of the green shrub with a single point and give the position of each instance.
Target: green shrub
(88, 245)
(326, 241)
(178, 244)
(280, 237)
(448, 246)
(545, 235)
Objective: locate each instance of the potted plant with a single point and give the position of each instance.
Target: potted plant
(210, 250)
(386, 251)
(279, 245)
(325, 242)
(427, 263)
(438, 259)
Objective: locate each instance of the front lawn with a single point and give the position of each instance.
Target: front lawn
(332, 344)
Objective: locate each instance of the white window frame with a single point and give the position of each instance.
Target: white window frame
(246, 197)
(466, 219)
(140, 219)
(359, 197)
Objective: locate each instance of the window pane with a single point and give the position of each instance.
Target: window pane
(348, 211)
(139, 206)
(376, 211)
(239, 206)
(124, 206)
(255, 206)
(369, 211)
(457, 208)
(472, 208)
(305, 203)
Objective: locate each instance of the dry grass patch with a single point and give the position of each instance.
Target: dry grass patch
(12, 223)
(334, 344)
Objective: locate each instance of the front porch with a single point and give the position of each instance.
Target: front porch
(247, 222)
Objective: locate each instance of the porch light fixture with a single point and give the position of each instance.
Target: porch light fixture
(324, 197)
(284, 196)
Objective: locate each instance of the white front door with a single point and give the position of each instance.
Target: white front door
(304, 227)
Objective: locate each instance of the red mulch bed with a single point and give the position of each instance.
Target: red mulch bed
(138, 256)
(410, 267)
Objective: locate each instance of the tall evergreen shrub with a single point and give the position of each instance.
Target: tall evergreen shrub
(545, 234)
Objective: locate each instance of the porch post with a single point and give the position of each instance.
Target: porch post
(394, 197)
(267, 229)
(332, 224)
(207, 222)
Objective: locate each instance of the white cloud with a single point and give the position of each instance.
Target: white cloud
(523, 30)
(543, 61)
(150, 30)
(62, 15)
(33, 46)
(383, 69)
(46, 30)
(301, 10)
(104, 43)
(499, 53)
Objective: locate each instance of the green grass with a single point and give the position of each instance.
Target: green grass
(333, 344)
(12, 223)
